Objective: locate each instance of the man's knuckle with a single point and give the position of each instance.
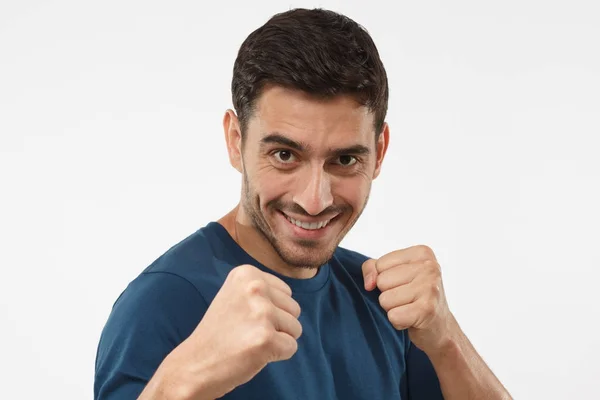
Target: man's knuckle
(264, 312)
(296, 310)
(241, 272)
(383, 300)
(432, 264)
(263, 337)
(425, 252)
(434, 289)
(429, 307)
(394, 318)
(256, 286)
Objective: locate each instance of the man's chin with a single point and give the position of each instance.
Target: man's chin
(306, 257)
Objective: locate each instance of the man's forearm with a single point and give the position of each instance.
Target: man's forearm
(162, 386)
(170, 382)
(462, 372)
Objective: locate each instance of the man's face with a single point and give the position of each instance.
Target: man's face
(307, 169)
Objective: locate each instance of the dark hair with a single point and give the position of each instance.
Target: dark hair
(320, 52)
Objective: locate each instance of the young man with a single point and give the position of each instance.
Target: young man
(263, 304)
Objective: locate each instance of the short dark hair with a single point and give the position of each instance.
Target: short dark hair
(318, 51)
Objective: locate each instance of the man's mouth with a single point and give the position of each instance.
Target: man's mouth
(311, 226)
(308, 225)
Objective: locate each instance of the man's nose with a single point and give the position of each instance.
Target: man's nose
(314, 195)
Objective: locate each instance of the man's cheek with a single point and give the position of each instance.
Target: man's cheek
(354, 192)
(275, 185)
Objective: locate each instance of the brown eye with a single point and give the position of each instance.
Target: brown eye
(284, 156)
(346, 160)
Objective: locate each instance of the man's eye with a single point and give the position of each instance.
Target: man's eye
(346, 160)
(284, 156)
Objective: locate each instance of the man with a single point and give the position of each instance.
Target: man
(264, 304)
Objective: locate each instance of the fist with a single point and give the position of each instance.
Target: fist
(252, 321)
(412, 294)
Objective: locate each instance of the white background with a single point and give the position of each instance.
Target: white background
(111, 151)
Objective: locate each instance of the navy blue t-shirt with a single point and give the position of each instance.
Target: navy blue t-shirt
(348, 348)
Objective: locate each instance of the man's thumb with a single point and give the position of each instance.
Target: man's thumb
(369, 271)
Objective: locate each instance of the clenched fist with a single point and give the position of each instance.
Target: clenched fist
(412, 294)
(252, 321)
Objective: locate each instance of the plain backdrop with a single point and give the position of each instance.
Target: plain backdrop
(112, 151)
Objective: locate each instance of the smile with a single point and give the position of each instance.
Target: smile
(308, 225)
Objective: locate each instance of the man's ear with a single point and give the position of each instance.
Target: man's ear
(381, 148)
(233, 139)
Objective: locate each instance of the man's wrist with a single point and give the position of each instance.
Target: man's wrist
(172, 382)
(450, 342)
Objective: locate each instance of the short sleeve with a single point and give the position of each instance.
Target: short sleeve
(422, 381)
(155, 313)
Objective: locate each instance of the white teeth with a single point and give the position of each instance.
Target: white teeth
(308, 225)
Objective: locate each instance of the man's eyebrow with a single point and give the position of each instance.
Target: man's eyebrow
(356, 150)
(278, 138)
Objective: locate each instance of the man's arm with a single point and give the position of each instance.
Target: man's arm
(462, 373)
(412, 294)
(163, 342)
(153, 315)
(169, 383)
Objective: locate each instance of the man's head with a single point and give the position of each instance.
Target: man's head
(310, 94)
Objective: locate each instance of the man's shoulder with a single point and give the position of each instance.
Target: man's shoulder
(200, 259)
(193, 249)
(159, 309)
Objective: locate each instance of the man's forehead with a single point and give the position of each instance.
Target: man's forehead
(276, 101)
(300, 117)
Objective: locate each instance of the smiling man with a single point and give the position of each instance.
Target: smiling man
(263, 303)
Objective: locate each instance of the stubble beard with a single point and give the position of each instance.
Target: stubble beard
(251, 205)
